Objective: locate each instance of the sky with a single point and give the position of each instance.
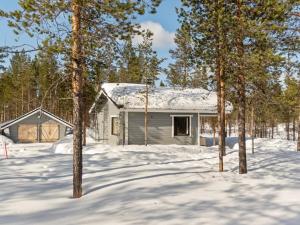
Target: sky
(163, 25)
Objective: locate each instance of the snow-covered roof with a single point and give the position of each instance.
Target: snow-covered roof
(132, 96)
(37, 110)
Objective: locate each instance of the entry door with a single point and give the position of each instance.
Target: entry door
(49, 132)
(27, 133)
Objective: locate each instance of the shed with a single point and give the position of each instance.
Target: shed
(38, 125)
(174, 114)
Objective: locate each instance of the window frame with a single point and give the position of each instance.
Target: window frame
(112, 124)
(190, 125)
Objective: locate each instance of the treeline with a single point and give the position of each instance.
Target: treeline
(31, 82)
(43, 80)
(250, 52)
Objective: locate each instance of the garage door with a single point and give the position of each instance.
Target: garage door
(27, 133)
(49, 132)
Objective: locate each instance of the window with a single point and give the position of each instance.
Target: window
(115, 125)
(181, 125)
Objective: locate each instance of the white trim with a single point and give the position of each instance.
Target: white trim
(111, 125)
(33, 113)
(205, 112)
(208, 113)
(97, 98)
(181, 115)
(190, 124)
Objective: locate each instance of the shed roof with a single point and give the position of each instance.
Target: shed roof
(132, 97)
(35, 111)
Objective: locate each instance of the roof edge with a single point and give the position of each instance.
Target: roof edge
(26, 115)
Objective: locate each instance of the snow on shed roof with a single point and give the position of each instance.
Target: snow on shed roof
(37, 110)
(132, 96)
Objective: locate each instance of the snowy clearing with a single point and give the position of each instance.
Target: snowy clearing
(150, 185)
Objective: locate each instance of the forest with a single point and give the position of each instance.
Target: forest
(246, 51)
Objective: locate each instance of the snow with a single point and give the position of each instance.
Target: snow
(4, 139)
(132, 96)
(134, 185)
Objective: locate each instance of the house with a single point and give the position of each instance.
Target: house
(38, 125)
(174, 114)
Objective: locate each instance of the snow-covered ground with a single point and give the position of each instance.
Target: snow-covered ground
(150, 185)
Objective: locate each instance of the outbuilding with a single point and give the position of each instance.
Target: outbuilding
(173, 114)
(38, 125)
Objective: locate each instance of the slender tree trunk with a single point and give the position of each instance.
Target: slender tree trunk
(220, 84)
(22, 104)
(241, 95)
(146, 115)
(229, 130)
(84, 110)
(252, 127)
(221, 166)
(4, 114)
(294, 128)
(214, 134)
(223, 117)
(298, 142)
(77, 98)
(287, 127)
(84, 126)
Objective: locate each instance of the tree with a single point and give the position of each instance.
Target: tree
(77, 29)
(3, 55)
(207, 22)
(179, 73)
(228, 37)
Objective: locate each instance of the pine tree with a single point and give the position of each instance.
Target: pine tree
(229, 37)
(90, 28)
(3, 55)
(180, 72)
(208, 23)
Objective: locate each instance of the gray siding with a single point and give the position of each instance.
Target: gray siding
(33, 119)
(101, 126)
(112, 111)
(159, 129)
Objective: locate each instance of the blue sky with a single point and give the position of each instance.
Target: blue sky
(163, 24)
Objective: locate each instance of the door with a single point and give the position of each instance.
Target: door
(49, 132)
(27, 133)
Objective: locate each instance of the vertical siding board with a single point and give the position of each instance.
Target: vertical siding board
(33, 119)
(112, 110)
(159, 129)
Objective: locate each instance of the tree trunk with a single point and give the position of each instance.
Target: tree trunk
(220, 85)
(229, 128)
(241, 95)
(298, 142)
(294, 129)
(22, 103)
(146, 115)
(214, 134)
(252, 126)
(77, 98)
(222, 119)
(221, 134)
(84, 126)
(287, 127)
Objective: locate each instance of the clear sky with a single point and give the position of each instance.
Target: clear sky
(163, 24)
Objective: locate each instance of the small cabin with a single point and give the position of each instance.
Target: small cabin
(174, 115)
(38, 125)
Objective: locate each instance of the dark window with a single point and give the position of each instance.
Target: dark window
(181, 126)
